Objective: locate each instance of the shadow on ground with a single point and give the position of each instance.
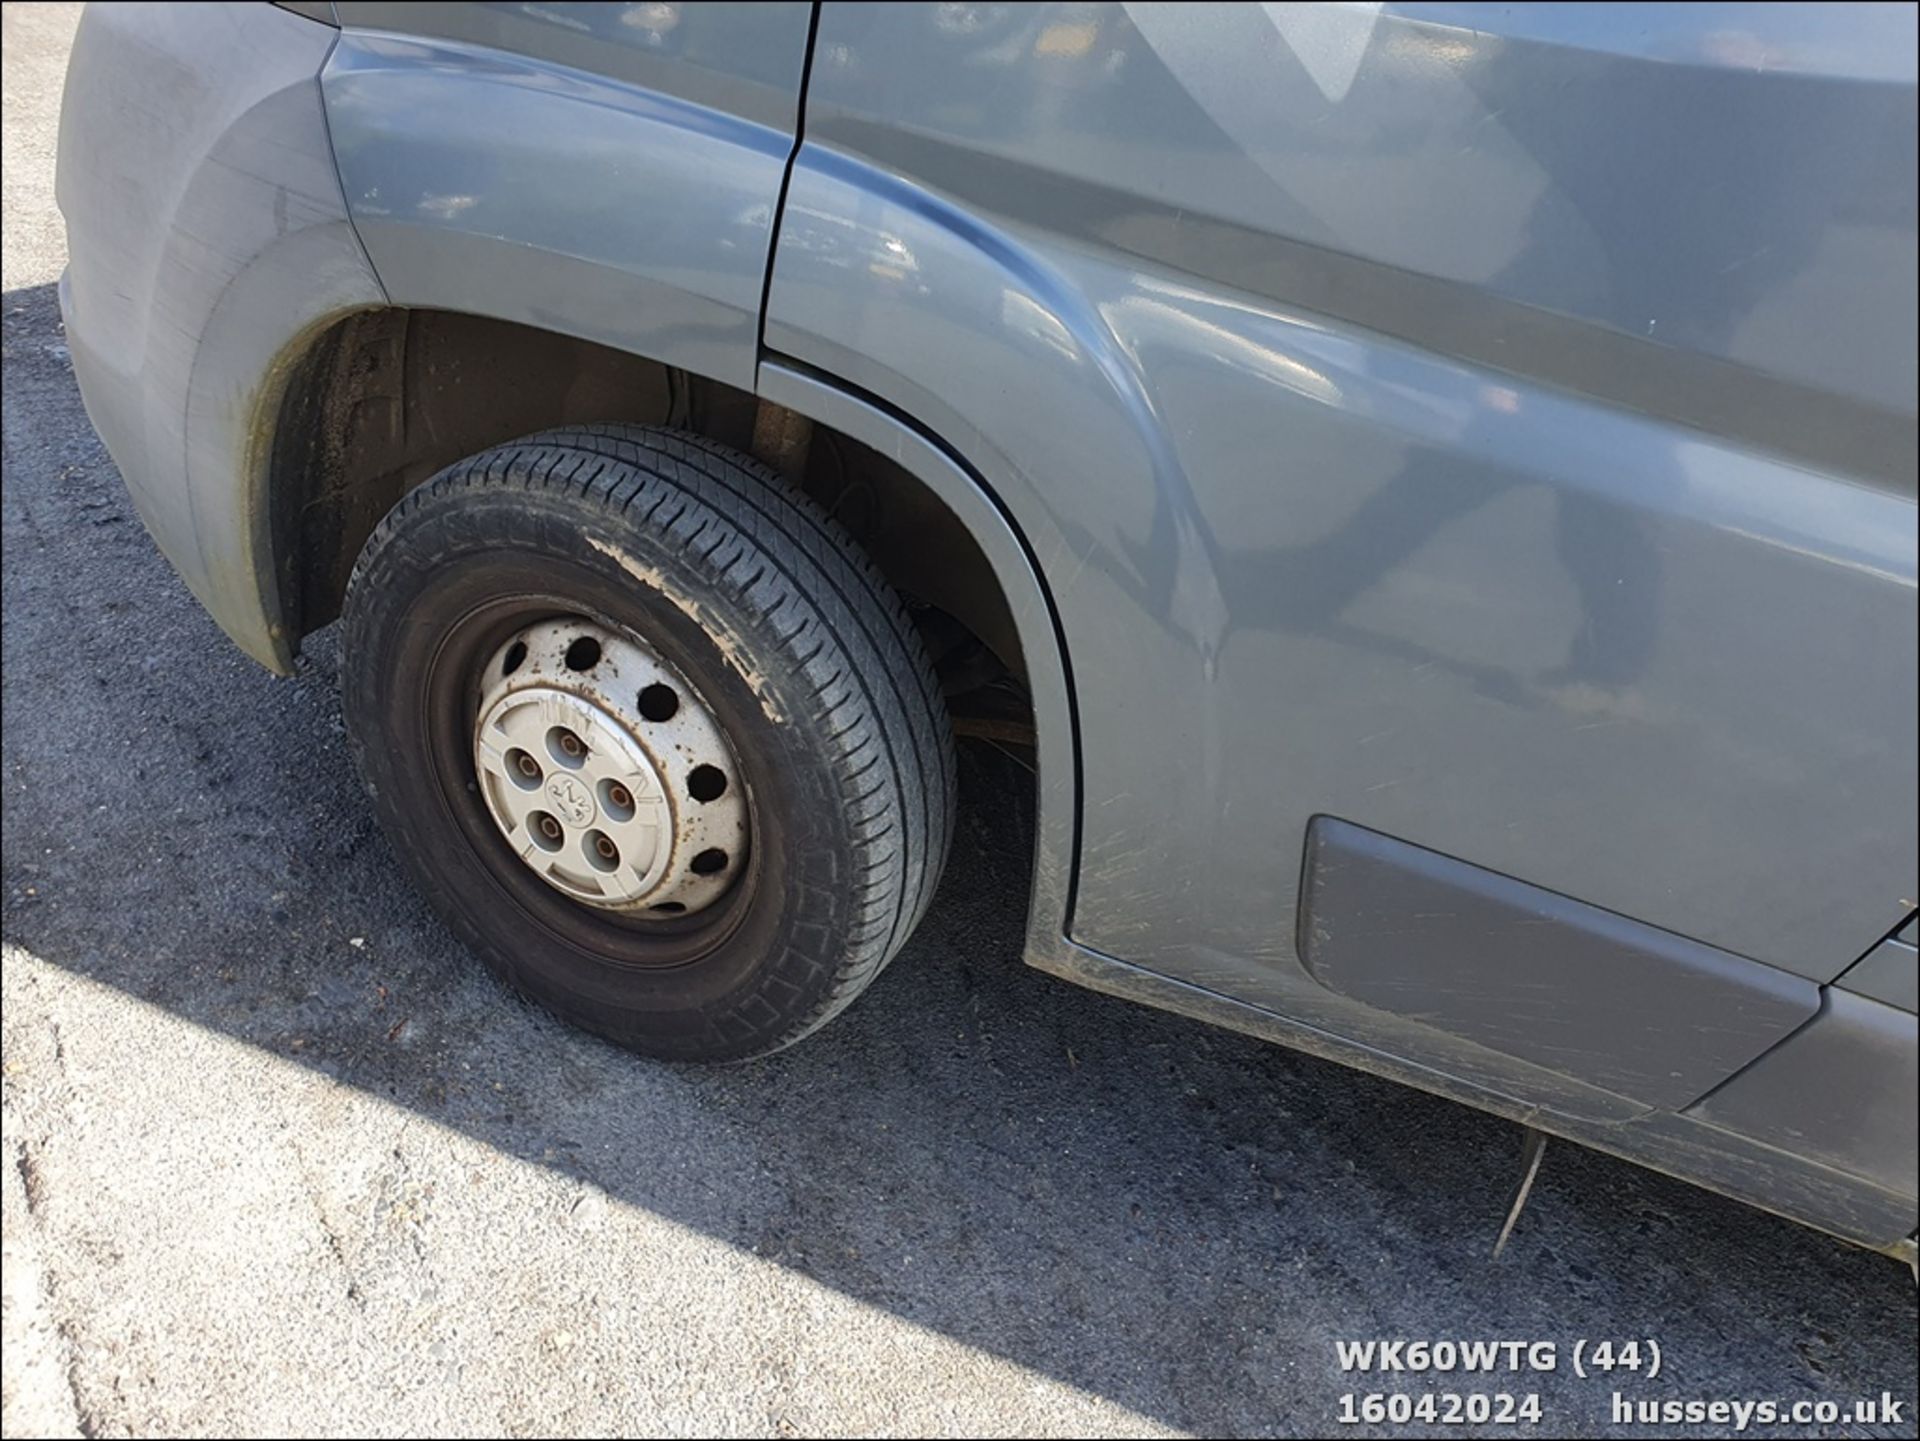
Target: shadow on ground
(1173, 1217)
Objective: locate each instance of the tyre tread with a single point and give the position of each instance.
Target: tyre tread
(816, 602)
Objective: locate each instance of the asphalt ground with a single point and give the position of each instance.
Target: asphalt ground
(280, 1158)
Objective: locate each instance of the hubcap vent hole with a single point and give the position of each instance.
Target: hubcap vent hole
(583, 654)
(709, 862)
(659, 702)
(707, 783)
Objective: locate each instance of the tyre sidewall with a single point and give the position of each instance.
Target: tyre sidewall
(453, 561)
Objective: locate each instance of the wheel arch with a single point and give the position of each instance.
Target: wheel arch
(1044, 651)
(367, 407)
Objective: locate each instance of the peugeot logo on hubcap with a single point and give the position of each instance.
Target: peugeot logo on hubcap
(571, 799)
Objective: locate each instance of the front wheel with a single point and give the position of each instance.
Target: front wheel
(651, 734)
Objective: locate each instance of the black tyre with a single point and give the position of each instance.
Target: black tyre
(750, 683)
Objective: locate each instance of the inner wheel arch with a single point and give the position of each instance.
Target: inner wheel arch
(370, 412)
(1045, 663)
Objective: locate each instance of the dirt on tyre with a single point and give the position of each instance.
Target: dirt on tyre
(651, 734)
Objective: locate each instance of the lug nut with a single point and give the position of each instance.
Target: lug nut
(550, 828)
(620, 797)
(570, 743)
(529, 767)
(605, 847)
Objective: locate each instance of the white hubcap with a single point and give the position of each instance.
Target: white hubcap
(606, 772)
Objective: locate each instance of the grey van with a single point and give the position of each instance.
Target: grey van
(1430, 488)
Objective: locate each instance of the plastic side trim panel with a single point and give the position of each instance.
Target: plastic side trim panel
(1739, 1166)
(1533, 974)
(1845, 1090)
